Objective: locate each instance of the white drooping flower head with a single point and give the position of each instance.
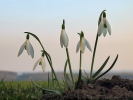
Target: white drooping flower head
(27, 46)
(104, 25)
(41, 62)
(82, 43)
(63, 36)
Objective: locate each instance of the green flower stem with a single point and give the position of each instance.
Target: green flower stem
(80, 73)
(70, 66)
(50, 63)
(93, 58)
(80, 58)
(80, 51)
(53, 71)
(47, 56)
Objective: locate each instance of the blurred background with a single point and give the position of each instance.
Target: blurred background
(44, 18)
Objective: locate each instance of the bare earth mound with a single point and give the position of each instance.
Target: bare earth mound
(114, 89)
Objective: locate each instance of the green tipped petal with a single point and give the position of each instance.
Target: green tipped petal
(104, 26)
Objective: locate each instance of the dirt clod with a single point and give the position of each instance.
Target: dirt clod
(113, 89)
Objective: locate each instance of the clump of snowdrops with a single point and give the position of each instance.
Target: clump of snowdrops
(73, 81)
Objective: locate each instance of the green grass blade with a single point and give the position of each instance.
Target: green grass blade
(52, 76)
(66, 77)
(48, 81)
(108, 69)
(101, 68)
(64, 83)
(2, 80)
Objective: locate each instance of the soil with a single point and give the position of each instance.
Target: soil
(104, 89)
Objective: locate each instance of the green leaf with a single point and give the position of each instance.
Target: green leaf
(108, 69)
(46, 90)
(66, 77)
(83, 78)
(100, 69)
(33, 97)
(86, 74)
(79, 79)
(64, 83)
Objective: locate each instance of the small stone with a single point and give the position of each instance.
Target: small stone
(116, 77)
(90, 86)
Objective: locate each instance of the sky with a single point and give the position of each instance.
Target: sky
(44, 18)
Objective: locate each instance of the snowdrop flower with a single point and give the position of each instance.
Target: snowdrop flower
(41, 62)
(63, 37)
(84, 43)
(104, 26)
(27, 46)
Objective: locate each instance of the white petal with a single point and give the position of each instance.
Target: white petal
(78, 45)
(61, 43)
(28, 47)
(104, 32)
(82, 46)
(108, 27)
(64, 38)
(21, 49)
(43, 64)
(66, 44)
(100, 28)
(35, 65)
(31, 50)
(88, 45)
